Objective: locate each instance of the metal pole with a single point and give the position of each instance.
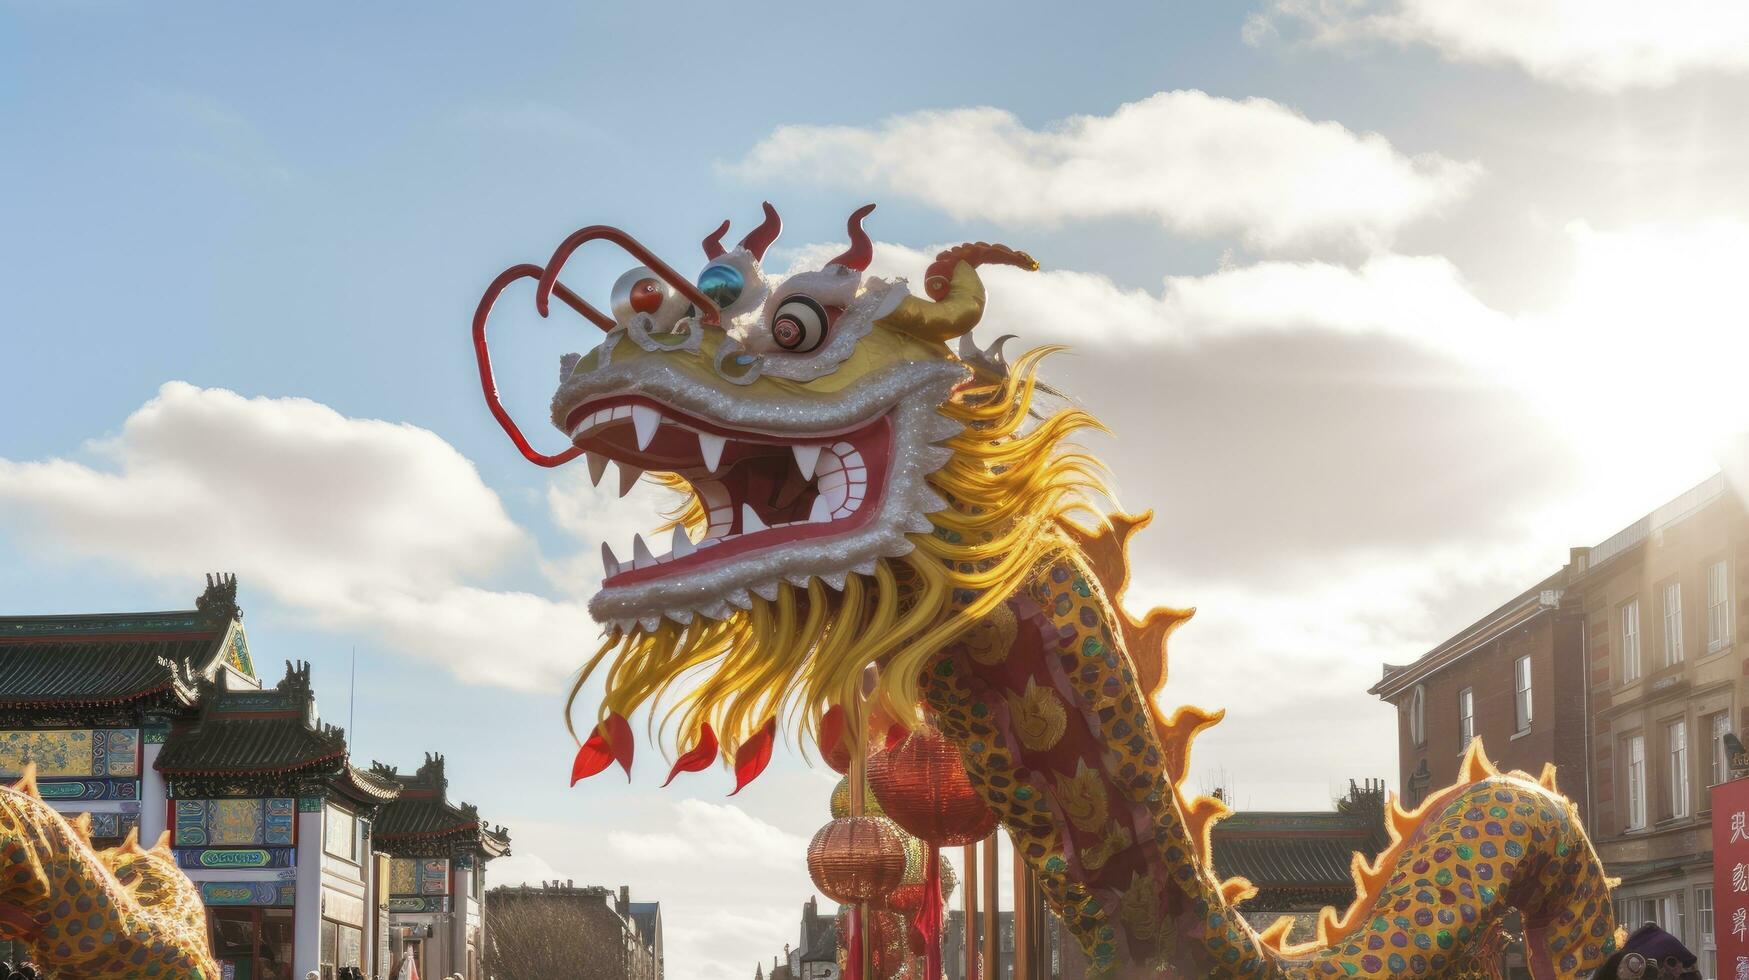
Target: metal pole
(969, 910)
(992, 914)
(1022, 920)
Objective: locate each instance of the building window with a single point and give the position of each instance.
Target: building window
(1630, 642)
(340, 833)
(1634, 754)
(1418, 715)
(1466, 718)
(1672, 623)
(1719, 759)
(342, 946)
(1676, 737)
(1709, 947)
(1718, 607)
(1521, 684)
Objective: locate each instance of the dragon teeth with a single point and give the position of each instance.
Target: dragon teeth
(609, 563)
(682, 545)
(807, 457)
(710, 449)
(644, 422)
(641, 551)
(628, 478)
(597, 466)
(750, 522)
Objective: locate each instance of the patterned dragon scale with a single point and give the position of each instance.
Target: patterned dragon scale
(1053, 712)
(120, 912)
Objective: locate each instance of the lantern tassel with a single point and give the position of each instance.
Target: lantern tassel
(853, 947)
(929, 916)
(753, 756)
(699, 757)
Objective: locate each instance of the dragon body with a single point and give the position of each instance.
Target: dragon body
(113, 914)
(856, 492)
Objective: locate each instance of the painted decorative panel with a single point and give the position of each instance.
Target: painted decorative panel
(219, 823)
(90, 789)
(280, 894)
(411, 904)
(419, 876)
(114, 824)
(237, 857)
(71, 752)
(280, 820)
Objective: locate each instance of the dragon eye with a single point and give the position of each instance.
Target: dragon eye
(721, 284)
(799, 325)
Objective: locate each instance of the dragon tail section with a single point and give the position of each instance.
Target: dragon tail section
(99, 914)
(1433, 903)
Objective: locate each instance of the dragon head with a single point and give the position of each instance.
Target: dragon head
(821, 430)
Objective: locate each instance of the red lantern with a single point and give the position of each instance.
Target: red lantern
(888, 932)
(923, 787)
(857, 859)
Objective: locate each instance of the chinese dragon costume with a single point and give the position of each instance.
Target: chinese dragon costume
(854, 491)
(112, 914)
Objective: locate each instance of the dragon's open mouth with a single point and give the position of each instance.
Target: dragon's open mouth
(759, 490)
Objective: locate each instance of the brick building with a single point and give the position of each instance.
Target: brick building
(1624, 669)
(1514, 678)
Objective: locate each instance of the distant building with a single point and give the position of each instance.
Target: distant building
(815, 956)
(1624, 669)
(437, 853)
(563, 929)
(1300, 862)
(158, 721)
(1663, 602)
(1515, 678)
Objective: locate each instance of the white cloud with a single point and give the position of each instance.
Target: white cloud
(1424, 299)
(358, 524)
(1196, 163)
(1605, 45)
(709, 832)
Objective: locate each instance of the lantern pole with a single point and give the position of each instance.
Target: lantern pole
(858, 800)
(992, 913)
(969, 910)
(1022, 920)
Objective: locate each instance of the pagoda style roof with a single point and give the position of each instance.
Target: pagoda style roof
(268, 732)
(110, 659)
(422, 822)
(1307, 852)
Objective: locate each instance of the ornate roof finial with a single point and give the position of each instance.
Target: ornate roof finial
(219, 600)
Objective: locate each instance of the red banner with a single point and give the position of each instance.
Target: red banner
(1731, 876)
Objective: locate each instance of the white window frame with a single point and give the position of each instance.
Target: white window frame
(1703, 918)
(1676, 746)
(1718, 606)
(1630, 641)
(1418, 715)
(1672, 624)
(1721, 759)
(1466, 718)
(1634, 768)
(1522, 701)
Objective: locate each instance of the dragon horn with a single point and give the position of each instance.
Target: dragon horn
(760, 238)
(861, 250)
(956, 292)
(713, 243)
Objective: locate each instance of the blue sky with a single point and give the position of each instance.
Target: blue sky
(1361, 286)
